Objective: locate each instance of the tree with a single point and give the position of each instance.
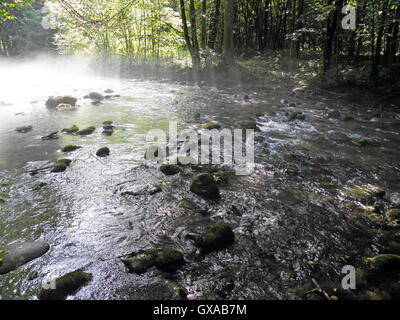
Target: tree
(228, 54)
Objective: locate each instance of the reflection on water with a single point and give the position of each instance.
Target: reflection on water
(282, 221)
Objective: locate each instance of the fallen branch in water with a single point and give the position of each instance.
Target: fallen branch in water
(51, 136)
(319, 290)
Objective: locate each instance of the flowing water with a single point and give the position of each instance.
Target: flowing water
(289, 227)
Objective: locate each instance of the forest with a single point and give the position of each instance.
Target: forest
(200, 150)
(204, 34)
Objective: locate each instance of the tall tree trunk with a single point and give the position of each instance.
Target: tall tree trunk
(195, 58)
(227, 54)
(375, 66)
(331, 30)
(195, 42)
(215, 15)
(203, 23)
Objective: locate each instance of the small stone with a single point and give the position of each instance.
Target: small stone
(103, 152)
(24, 129)
(109, 91)
(298, 115)
(108, 132)
(54, 102)
(334, 114)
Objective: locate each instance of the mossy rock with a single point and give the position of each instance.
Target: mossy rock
(205, 185)
(61, 165)
(17, 254)
(168, 260)
(386, 262)
(2, 201)
(103, 152)
(108, 127)
(86, 132)
(209, 168)
(71, 130)
(249, 125)
(108, 122)
(54, 102)
(169, 169)
(66, 285)
(364, 192)
(217, 237)
(393, 214)
(359, 142)
(108, 132)
(211, 126)
(297, 115)
(221, 178)
(96, 96)
(70, 148)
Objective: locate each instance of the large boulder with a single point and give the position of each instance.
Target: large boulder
(205, 185)
(17, 254)
(54, 102)
(65, 286)
(168, 260)
(96, 96)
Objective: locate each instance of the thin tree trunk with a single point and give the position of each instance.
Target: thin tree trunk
(203, 23)
(227, 54)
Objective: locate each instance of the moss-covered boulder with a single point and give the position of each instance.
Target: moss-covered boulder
(249, 125)
(66, 285)
(17, 254)
(54, 102)
(211, 126)
(363, 192)
(73, 129)
(108, 127)
(393, 214)
(70, 148)
(96, 96)
(386, 262)
(169, 169)
(297, 115)
(103, 152)
(61, 165)
(168, 260)
(86, 132)
(205, 185)
(107, 123)
(217, 237)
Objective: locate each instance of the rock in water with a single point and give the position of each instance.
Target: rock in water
(205, 185)
(364, 192)
(24, 129)
(66, 285)
(169, 169)
(211, 126)
(54, 102)
(217, 237)
(249, 125)
(103, 152)
(168, 260)
(86, 132)
(96, 96)
(70, 148)
(17, 254)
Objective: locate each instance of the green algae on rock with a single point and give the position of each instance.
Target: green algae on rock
(217, 237)
(363, 192)
(61, 165)
(86, 132)
(249, 125)
(66, 285)
(71, 130)
(70, 148)
(211, 126)
(205, 185)
(168, 260)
